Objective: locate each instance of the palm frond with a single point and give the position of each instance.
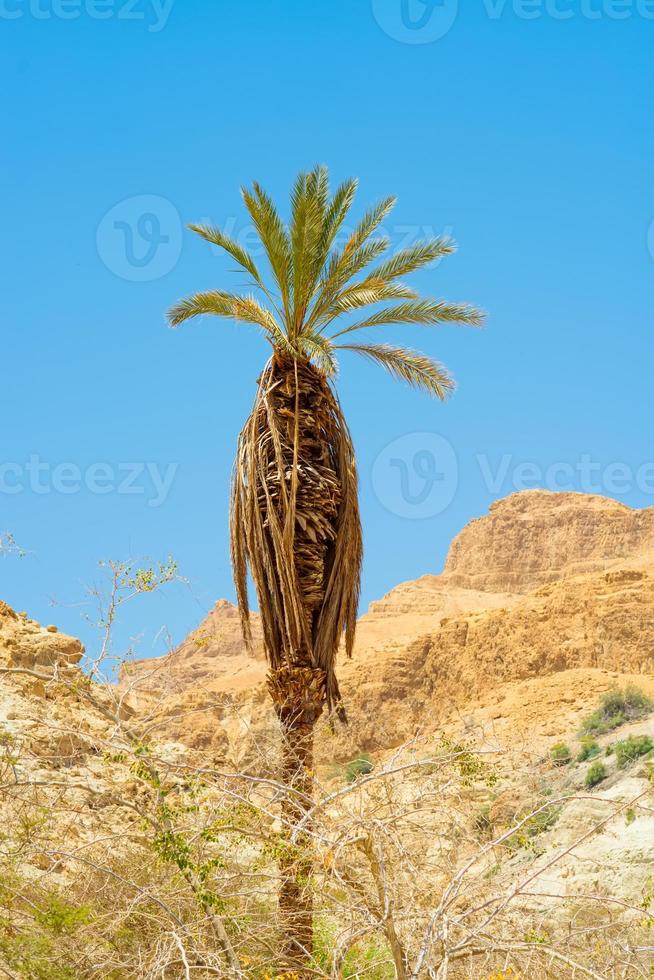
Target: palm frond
(318, 186)
(213, 301)
(250, 310)
(415, 257)
(274, 238)
(423, 311)
(216, 303)
(370, 222)
(366, 293)
(336, 214)
(356, 254)
(338, 272)
(413, 368)
(216, 237)
(308, 200)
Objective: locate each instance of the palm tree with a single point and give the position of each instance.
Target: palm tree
(294, 510)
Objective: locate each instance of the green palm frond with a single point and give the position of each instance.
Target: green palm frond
(216, 303)
(356, 254)
(415, 257)
(409, 366)
(274, 238)
(336, 214)
(370, 222)
(308, 201)
(366, 293)
(338, 272)
(318, 187)
(216, 237)
(423, 311)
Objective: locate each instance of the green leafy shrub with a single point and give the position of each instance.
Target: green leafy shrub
(632, 748)
(560, 754)
(58, 916)
(596, 773)
(589, 749)
(360, 766)
(615, 708)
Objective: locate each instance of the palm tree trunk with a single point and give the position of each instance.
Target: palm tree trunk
(298, 695)
(297, 861)
(295, 522)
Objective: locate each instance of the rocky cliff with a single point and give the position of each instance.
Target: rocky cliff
(535, 537)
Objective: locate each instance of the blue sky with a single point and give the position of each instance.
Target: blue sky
(521, 128)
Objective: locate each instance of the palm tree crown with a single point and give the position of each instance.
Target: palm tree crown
(317, 284)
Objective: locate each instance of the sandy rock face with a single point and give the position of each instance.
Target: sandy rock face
(25, 643)
(601, 620)
(535, 537)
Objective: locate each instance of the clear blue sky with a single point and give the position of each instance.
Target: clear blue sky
(525, 132)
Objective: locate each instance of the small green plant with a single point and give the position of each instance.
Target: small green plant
(544, 819)
(632, 748)
(615, 708)
(468, 762)
(589, 749)
(538, 938)
(596, 773)
(360, 766)
(560, 754)
(58, 917)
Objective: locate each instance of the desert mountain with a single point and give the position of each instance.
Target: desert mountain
(543, 603)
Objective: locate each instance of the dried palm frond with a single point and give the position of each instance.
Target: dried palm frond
(295, 525)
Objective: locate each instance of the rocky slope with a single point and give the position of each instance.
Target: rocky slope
(52, 744)
(508, 649)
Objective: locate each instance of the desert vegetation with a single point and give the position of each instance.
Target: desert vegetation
(124, 855)
(616, 708)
